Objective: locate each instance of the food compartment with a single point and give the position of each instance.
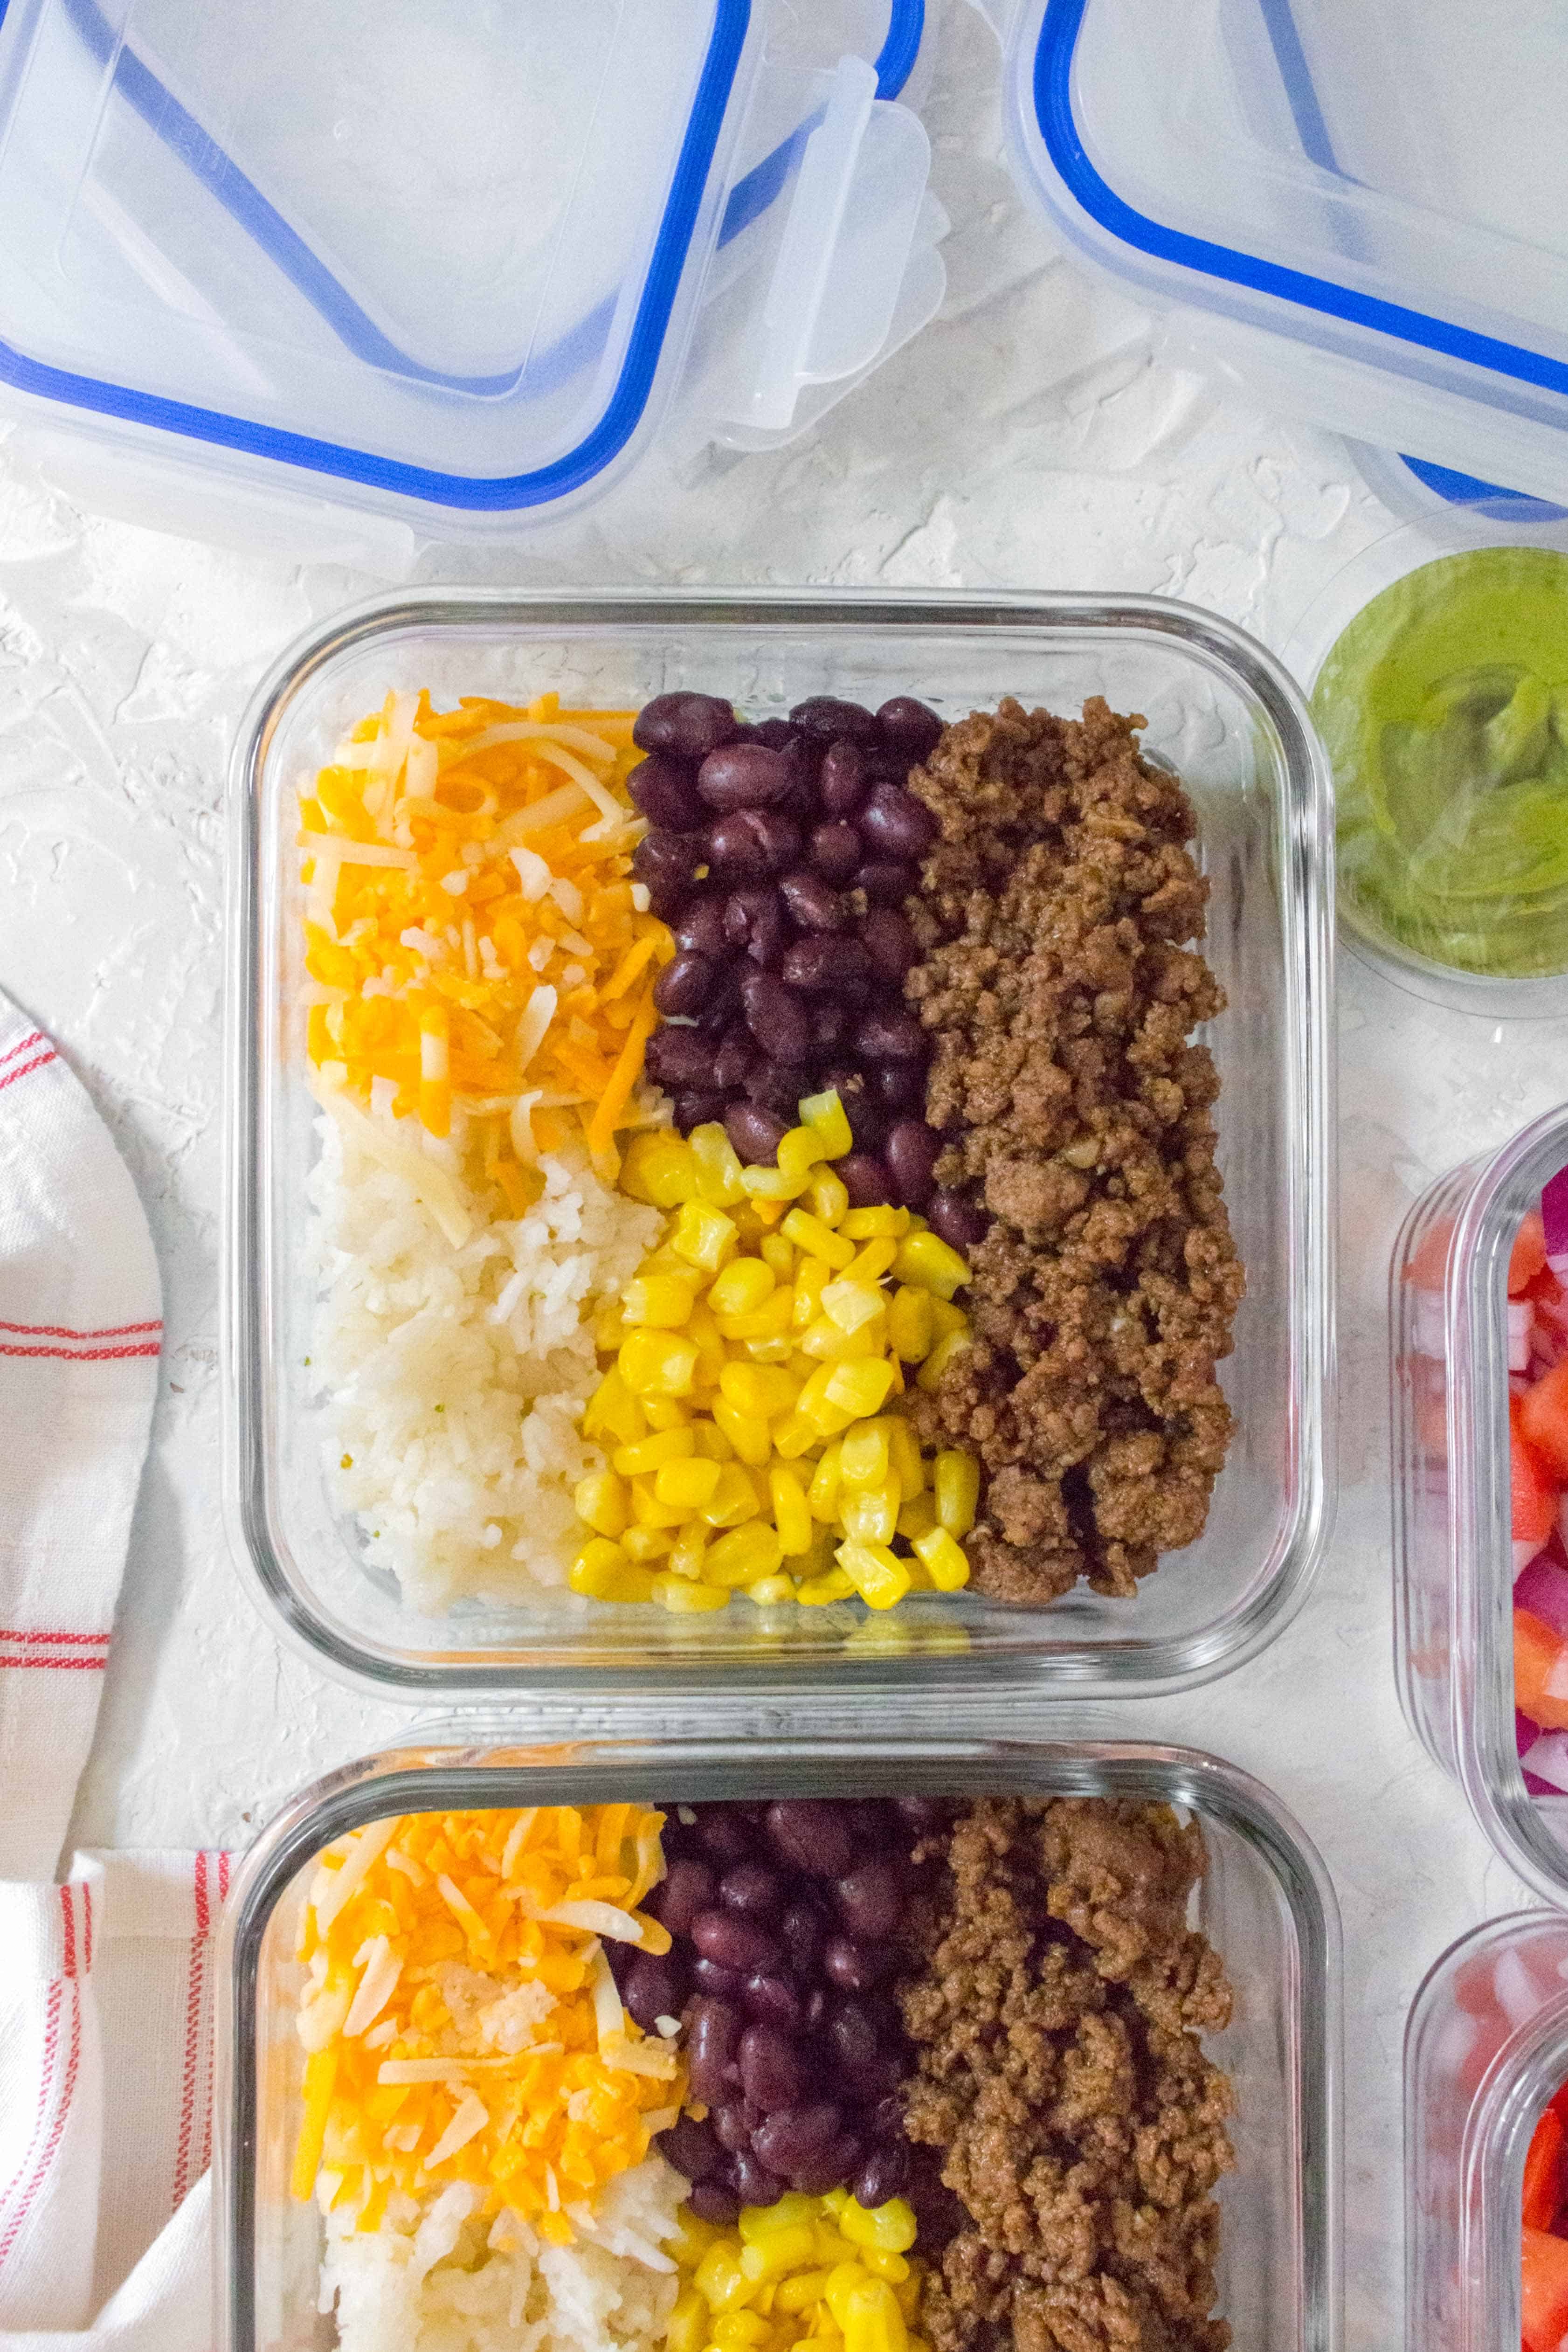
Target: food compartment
(1220, 717)
(1262, 1903)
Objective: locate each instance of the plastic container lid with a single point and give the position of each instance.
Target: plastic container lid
(448, 257)
(1363, 201)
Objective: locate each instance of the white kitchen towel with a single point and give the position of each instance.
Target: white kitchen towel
(79, 1337)
(106, 2106)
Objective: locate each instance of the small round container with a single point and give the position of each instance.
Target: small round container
(1486, 2047)
(1451, 525)
(1453, 1556)
(1266, 1904)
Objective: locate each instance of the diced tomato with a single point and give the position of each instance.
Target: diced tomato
(1543, 2172)
(1536, 1650)
(1532, 1485)
(1543, 1418)
(1528, 1254)
(1427, 1266)
(1543, 2290)
(1544, 1288)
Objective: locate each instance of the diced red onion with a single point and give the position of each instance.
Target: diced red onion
(1554, 1215)
(1547, 1758)
(1543, 1589)
(1518, 1320)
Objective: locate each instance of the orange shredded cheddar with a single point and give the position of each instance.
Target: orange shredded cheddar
(473, 933)
(460, 2018)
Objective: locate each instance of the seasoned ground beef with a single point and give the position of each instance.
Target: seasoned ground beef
(1055, 1996)
(1060, 997)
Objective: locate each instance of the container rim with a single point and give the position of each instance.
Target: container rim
(399, 1779)
(1139, 1668)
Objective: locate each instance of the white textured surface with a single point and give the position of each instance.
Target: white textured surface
(1027, 440)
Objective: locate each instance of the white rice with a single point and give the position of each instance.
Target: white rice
(451, 1379)
(435, 2277)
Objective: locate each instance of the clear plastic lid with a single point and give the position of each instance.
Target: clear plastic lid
(449, 255)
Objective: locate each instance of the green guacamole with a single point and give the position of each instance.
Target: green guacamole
(1444, 706)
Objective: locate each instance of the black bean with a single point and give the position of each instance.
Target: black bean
(920, 1813)
(835, 850)
(881, 2175)
(887, 883)
(684, 984)
(826, 963)
(777, 733)
(688, 725)
(864, 1179)
(890, 1033)
(816, 2007)
(655, 1987)
(713, 2037)
(875, 1822)
(841, 782)
(697, 1111)
(714, 2201)
(754, 920)
(775, 1015)
(802, 1931)
(869, 1899)
(825, 714)
(755, 1133)
(810, 1832)
(692, 2148)
(773, 1999)
(835, 2165)
(897, 1086)
(829, 1025)
(889, 941)
(779, 1085)
(751, 843)
(772, 2070)
(744, 775)
(893, 822)
(793, 2136)
(734, 2125)
(680, 1058)
(726, 1834)
(855, 1967)
(711, 1978)
(815, 905)
(665, 791)
(700, 930)
(687, 1888)
(752, 1889)
(909, 728)
(962, 1226)
(910, 1152)
(753, 2183)
(668, 860)
(734, 1941)
(853, 2038)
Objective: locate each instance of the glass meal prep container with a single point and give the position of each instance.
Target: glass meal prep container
(1266, 1904)
(1485, 2048)
(1453, 1558)
(1221, 711)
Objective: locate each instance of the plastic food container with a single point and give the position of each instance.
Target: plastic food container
(1486, 2047)
(445, 266)
(1221, 710)
(1453, 1561)
(1349, 208)
(1267, 1905)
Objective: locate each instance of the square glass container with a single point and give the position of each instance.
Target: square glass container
(1485, 2048)
(1220, 711)
(1266, 1904)
(1453, 1555)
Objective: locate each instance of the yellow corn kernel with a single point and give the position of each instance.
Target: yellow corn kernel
(818, 1591)
(657, 1363)
(769, 1591)
(800, 2292)
(811, 1281)
(600, 1579)
(776, 1252)
(946, 1317)
(746, 1432)
(665, 1413)
(872, 1261)
(651, 1453)
(850, 1303)
(646, 1544)
(703, 1235)
(685, 1485)
(904, 1455)
(661, 1301)
(741, 1287)
(717, 1167)
(843, 2281)
(762, 1391)
(825, 1115)
(602, 1503)
(827, 1195)
(608, 1329)
(868, 1224)
(808, 1233)
(859, 1389)
(771, 1320)
(720, 2280)
(688, 2323)
(911, 1331)
(878, 1576)
(711, 1442)
(778, 2252)
(875, 2323)
(943, 1558)
(658, 1168)
(869, 1514)
(930, 1373)
(798, 1435)
(686, 1551)
(614, 1412)
(956, 1485)
(931, 1263)
(825, 1342)
(737, 2331)
(597, 1555)
(743, 1555)
(791, 1513)
(786, 2212)
(822, 1493)
(765, 1185)
(890, 2226)
(917, 1516)
(649, 1512)
(684, 1599)
(818, 1408)
(800, 1151)
(865, 1455)
(882, 2264)
(733, 1499)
